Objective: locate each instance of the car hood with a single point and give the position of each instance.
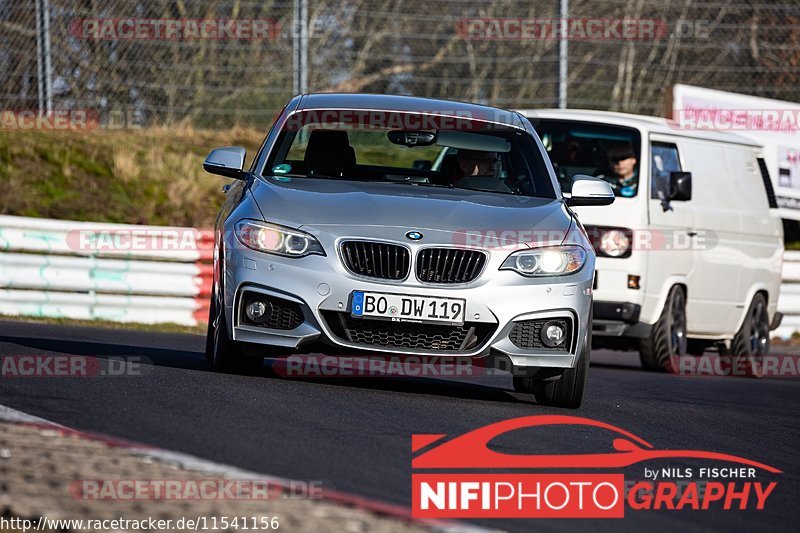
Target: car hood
(485, 218)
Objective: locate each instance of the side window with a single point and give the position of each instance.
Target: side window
(663, 160)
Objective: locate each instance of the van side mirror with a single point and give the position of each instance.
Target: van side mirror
(680, 186)
(588, 190)
(227, 161)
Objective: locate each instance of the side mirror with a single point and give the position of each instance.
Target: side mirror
(680, 186)
(227, 161)
(587, 190)
(422, 164)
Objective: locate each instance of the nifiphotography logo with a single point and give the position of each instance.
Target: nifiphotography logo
(464, 478)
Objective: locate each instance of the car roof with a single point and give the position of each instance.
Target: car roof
(412, 104)
(642, 122)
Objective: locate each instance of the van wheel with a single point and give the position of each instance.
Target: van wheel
(566, 389)
(751, 342)
(667, 342)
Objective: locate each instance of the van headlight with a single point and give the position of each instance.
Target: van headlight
(611, 242)
(275, 239)
(550, 261)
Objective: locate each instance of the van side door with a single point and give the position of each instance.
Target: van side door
(671, 225)
(720, 254)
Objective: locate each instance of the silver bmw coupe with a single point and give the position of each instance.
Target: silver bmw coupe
(399, 226)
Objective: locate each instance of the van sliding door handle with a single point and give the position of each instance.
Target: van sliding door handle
(691, 233)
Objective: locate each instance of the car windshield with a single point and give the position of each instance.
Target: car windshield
(459, 154)
(608, 152)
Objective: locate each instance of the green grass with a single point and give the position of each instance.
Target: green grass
(148, 176)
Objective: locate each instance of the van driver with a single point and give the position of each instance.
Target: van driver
(624, 175)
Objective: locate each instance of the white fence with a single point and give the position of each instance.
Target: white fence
(86, 270)
(152, 274)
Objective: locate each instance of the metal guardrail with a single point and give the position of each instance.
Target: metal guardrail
(62, 268)
(117, 272)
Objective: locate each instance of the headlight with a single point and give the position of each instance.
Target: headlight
(551, 261)
(611, 242)
(274, 239)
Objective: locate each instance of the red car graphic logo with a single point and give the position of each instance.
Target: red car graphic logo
(471, 451)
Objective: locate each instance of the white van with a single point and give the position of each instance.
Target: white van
(690, 254)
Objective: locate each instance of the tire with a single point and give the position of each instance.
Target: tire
(566, 391)
(667, 342)
(751, 342)
(223, 354)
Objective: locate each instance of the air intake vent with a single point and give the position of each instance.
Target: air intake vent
(415, 338)
(376, 259)
(449, 265)
(281, 314)
(527, 334)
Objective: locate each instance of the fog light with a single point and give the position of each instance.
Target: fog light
(553, 334)
(258, 311)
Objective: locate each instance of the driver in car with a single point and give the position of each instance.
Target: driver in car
(478, 170)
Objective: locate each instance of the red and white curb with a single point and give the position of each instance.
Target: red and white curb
(196, 464)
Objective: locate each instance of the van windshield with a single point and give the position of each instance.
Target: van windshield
(608, 152)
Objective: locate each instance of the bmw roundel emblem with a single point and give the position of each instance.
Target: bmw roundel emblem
(414, 235)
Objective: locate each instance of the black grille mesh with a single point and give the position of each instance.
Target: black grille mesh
(376, 259)
(449, 265)
(285, 314)
(410, 336)
(526, 334)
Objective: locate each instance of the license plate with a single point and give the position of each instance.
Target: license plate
(405, 308)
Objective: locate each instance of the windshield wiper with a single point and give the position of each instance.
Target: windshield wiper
(418, 183)
(487, 190)
(314, 177)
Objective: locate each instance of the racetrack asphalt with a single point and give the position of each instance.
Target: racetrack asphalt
(354, 434)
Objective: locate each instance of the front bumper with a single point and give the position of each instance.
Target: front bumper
(495, 303)
(619, 319)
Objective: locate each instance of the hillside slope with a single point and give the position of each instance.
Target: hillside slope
(147, 176)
